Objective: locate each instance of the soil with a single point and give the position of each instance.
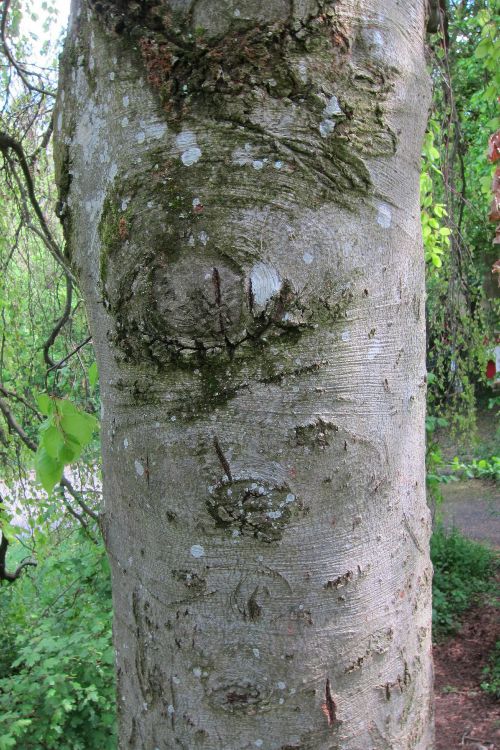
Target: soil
(466, 717)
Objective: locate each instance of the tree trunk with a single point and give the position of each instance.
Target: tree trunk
(239, 190)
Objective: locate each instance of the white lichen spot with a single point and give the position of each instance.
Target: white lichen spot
(308, 258)
(113, 171)
(326, 127)
(203, 238)
(256, 653)
(281, 701)
(140, 136)
(265, 283)
(139, 468)
(258, 743)
(278, 164)
(289, 498)
(191, 156)
(197, 551)
(346, 336)
(59, 121)
(197, 672)
(237, 13)
(332, 107)
(257, 164)
(125, 443)
(273, 514)
(235, 533)
(124, 122)
(185, 139)
(384, 216)
(176, 680)
(197, 202)
(170, 709)
(173, 419)
(124, 204)
(126, 100)
(281, 685)
(111, 76)
(302, 71)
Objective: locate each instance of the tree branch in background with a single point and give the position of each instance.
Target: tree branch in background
(6, 575)
(63, 361)
(59, 325)
(7, 143)
(20, 70)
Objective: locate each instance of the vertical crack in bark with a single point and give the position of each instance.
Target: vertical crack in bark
(329, 707)
(223, 460)
(218, 299)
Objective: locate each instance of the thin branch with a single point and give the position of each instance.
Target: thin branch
(59, 325)
(58, 365)
(7, 143)
(14, 426)
(21, 399)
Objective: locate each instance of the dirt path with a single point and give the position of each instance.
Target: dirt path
(472, 506)
(466, 717)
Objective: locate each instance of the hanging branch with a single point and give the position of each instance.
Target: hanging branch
(7, 144)
(59, 325)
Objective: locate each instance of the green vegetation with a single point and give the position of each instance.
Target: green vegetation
(491, 683)
(462, 570)
(56, 664)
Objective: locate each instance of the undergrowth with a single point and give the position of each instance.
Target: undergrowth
(463, 570)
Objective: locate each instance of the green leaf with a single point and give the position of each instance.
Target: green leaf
(52, 440)
(79, 426)
(93, 374)
(70, 450)
(48, 469)
(45, 403)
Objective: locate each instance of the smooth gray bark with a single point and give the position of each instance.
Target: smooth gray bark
(239, 189)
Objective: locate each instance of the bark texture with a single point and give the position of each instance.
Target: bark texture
(239, 190)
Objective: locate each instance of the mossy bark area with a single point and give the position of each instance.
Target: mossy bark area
(239, 188)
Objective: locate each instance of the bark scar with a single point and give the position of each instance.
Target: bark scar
(329, 707)
(223, 460)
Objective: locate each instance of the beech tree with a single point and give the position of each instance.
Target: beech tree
(239, 193)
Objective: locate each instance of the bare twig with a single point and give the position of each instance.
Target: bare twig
(63, 361)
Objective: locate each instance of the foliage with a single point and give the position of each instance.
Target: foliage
(491, 673)
(435, 235)
(462, 570)
(63, 435)
(462, 315)
(483, 468)
(56, 665)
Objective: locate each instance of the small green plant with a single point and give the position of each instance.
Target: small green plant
(491, 673)
(484, 468)
(462, 570)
